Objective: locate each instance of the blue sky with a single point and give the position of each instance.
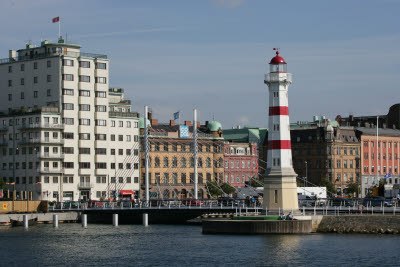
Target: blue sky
(212, 54)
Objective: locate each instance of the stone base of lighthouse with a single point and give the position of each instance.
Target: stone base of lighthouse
(280, 191)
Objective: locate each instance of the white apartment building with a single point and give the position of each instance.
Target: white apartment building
(63, 132)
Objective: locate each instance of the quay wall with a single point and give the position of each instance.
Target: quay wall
(388, 224)
(256, 227)
(72, 216)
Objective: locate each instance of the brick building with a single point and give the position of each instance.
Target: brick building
(241, 163)
(323, 150)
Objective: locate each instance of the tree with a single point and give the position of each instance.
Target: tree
(330, 187)
(2, 184)
(352, 188)
(213, 189)
(227, 188)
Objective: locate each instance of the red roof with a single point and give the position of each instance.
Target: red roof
(277, 59)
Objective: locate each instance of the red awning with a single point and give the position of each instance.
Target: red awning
(126, 192)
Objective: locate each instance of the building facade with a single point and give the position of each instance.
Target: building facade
(241, 164)
(323, 150)
(379, 160)
(64, 134)
(171, 159)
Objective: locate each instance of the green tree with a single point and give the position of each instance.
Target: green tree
(330, 187)
(352, 188)
(213, 189)
(2, 184)
(227, 188)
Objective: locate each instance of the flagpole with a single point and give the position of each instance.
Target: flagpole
(59, 29)
(377, 149)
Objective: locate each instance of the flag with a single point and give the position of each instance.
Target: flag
(56, 19)
(388, 175)
(176, 115)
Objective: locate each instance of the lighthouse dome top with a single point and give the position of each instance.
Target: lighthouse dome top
(277, 59)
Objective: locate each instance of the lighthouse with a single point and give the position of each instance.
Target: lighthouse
(280, 188)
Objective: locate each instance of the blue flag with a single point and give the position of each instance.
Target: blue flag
(176, 115)
(388, 175)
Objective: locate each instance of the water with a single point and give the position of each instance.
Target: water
(165, 245)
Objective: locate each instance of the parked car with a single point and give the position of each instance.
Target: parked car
(377, 201)
(340, 201)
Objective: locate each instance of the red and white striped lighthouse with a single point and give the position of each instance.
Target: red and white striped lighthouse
(280, 188)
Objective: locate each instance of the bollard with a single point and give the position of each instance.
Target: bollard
(372, 209)
(236, 212)
(279, 211)
(349, 209)
(266, 211)
(115, 219)
(383, 212)
(315, 211)
(84, 220)
(25, 220)
(304, 211)
(145, 219)
(221, 205)
(240, 211)
(55, 220)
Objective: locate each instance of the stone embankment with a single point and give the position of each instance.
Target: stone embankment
(373, 224)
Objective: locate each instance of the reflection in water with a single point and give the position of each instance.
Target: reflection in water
(166, 245)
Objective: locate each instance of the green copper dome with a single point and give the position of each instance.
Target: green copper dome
(141, 122)
(214, 126)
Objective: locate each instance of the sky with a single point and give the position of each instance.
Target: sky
(212, 54)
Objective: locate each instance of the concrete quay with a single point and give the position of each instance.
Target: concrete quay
(45, 218)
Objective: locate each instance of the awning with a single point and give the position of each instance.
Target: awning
(126, 192)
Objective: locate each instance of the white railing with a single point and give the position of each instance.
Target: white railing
(42, 125)
(83, 185)
(278, 77)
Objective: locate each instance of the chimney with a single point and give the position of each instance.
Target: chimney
(154, 122)
(149, 116)
(171, 123)
(188, 123)
(207, 122)
(198, 124)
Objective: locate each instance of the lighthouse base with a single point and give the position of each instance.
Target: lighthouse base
(280, 191)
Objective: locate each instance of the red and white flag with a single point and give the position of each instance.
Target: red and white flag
(56, 19)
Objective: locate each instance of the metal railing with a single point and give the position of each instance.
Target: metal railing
(278, 77)
(84, 185)
(41, 126)
(123, 114)
(51, 54)
(41, 141)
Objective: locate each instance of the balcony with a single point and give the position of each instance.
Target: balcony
(113, 114)
(278, 77)
(41, 126)
(41, 141)
(83, 185)
(47, 155)
(47, 170)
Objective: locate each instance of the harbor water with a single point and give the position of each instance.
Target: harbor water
(172, 245)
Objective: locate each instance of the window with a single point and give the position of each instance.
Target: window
(84, 78)
(102, 137)
(22, 95)
(101, 80)
(68, 121)
(120, 138)
(100, 151)
(84, 93)
(35, 65)
(68, 135)
(68, 77)
(84, 136)
(101, 65)
(48, 78)
(128, 138)
(100, 122)
(9, 97)
(101, 94)
(84, 107)
(68, 165)
(68, 62)
(338, 164)
(68, 106)
(35, 94)
(48, 92)
(101, 165)
(120, 152)
(120, 123)
(128, 124)
(68, 150)
(84, 165)
(35, 79)
(48, 63)
(101, 108)
(9, 69)
(67, 92)
(22, 81)
(22, 67)
(84, 64)
(84, 121)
